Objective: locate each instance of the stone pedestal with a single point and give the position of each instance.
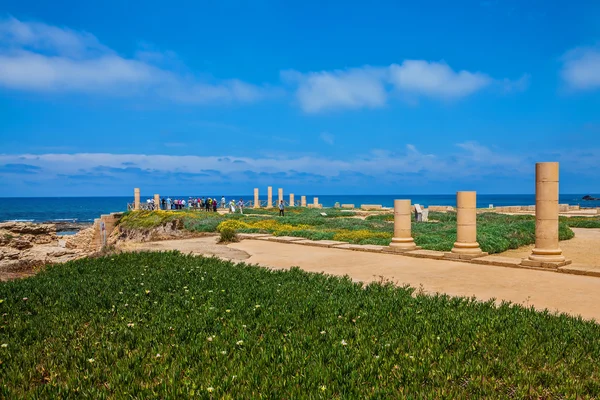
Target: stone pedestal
(402, 240)
(303, 201)
(292, 200)
(546, 252)
(279, 196)
(466, 246)
(256, 200)
(157, 202)
(136, 198)
(269, 197)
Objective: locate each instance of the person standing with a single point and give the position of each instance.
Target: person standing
(241, 206)
(168, 203)
(232, 206)
(215, 204)
(281, 213)
(223, 202)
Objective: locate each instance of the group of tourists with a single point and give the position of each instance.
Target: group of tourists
(200, 203)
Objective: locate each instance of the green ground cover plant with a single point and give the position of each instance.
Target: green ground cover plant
(581, 222)
(495, 232)
(167, 325)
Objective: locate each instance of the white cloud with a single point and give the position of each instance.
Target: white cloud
(473, 160)
(353, 88)
(39, 57)
(327, 138)
(436, 79)
(370, 87)
(581, 69)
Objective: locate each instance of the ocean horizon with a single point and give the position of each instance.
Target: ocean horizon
(86, 209)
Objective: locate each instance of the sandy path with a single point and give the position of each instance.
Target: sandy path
(584, 248)
(206, 245)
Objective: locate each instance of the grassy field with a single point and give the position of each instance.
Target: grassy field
(165, 325)
(496, 232)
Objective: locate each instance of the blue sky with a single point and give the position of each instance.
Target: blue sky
(344, 97)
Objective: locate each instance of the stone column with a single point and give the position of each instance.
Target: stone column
(292, 200)
(466, 246)
(269, 197)
(157, 202)
(316, 202)
(256, 200)
(303, 201)
(402, 240)
(136, 198)
(546, 252)
(279, 196)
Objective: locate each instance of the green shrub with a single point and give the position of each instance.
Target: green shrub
(227, 235)
(165, 325)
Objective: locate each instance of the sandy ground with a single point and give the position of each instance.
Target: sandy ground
(576, 295)
(584, 248)
(206, 245)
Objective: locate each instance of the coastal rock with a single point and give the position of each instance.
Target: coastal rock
(25, 247)
(170, 230)
(81, 241)
(24, 228)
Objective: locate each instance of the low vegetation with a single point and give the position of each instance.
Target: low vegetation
(581, 222)
(495, 232)
(166, 325)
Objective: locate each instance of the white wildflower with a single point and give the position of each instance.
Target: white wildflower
(210, 389)
(239, 342)
(323, 332)
(344, 343)
(4, 345)
(91, 360)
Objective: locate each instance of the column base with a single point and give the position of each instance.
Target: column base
(552, 262)
(401, 248)
(465, 251)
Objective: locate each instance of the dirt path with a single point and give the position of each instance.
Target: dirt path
(584, 248)
(200, 246)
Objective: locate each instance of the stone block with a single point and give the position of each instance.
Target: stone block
(438, 255)
(347, 205)
(461, 256)
(370, 207)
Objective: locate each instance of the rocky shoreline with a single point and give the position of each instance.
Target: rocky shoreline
(25, 247)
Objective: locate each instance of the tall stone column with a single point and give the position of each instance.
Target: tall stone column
(136, 198)
(316, 202)
(292, 200)
(466, 246)
(402, 240)
(303, 201)
(546, 252)
(256, 200)
(157, 202)
(279, 196)
(269, 197)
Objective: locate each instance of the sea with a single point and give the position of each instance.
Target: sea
(86, 209)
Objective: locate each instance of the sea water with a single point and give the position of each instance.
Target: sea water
(86, 209)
